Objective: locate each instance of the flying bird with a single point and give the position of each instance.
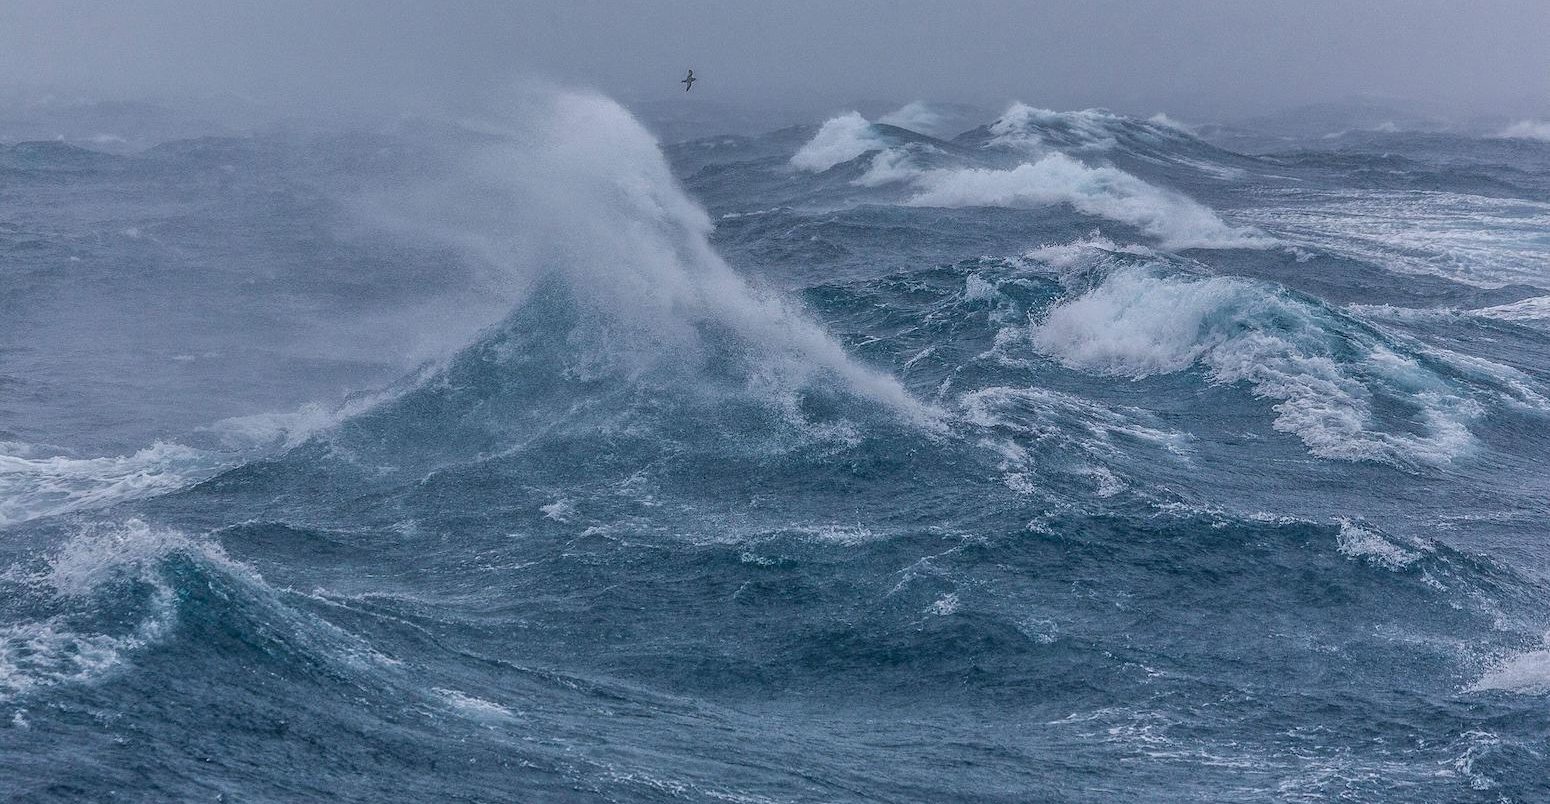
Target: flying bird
(688, 82)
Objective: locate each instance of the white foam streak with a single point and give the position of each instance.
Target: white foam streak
(32, 487)
(891, 166)
(1359, 542)
(1477, 240)
(37, 487)
(470, 706)
(1085, 253)
(1536, 308)
(1162, 119)
(283, 430)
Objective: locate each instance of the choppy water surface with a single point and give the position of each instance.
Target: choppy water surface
(1068, 458)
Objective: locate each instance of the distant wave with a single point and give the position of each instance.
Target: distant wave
(1527, 130)
(838, 140)
(1024, 126)
(1030, 128)
(921, 117)
(1177, 221)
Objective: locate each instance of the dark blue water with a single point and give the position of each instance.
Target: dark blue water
(1069, 458)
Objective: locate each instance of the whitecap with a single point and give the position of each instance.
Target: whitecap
(1358, 542)
(1323, 376)
(1177, 221)
(838, 140)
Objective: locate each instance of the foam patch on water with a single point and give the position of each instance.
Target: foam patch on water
(943, 606)
(560, 510)
(44, 654)
(1162, 119)
(1017, 422)
(1506, 383)
(1085, 253)
(1533, 312)
(1359, 542)
(844, 535)
(33, 487)
(1158, 139)
(893, 166)
(1215, 171)
(1324, 374)
(103, 553)
(113, 590)
(1509, 385)
(470, 706)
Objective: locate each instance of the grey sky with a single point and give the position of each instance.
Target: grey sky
(1192, 58)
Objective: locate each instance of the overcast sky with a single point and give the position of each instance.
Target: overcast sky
(1191, 58)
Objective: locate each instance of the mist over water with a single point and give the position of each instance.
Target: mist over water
(376, 433)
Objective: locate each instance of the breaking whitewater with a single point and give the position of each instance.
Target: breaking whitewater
(1066, 458)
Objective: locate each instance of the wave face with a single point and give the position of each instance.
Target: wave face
(1053, 460)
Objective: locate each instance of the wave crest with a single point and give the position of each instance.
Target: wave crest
(102, 596)
(838, 140)
(1054, 178)
(1177, 221)
(1328, 377)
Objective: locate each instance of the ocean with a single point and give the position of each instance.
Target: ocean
(1067, 457)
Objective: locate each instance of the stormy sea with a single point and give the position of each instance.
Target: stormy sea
(1041, 456)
